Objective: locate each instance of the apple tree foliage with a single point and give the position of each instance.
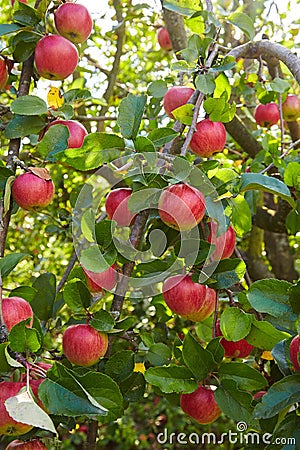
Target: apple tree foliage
(235, 57)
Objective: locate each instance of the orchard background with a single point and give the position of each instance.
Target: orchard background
(233, 55)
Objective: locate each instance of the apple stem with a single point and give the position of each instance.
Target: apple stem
(214, 329)
(247, 276)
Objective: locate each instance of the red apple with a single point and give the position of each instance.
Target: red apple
(83, 345)
(21, 1)
(30, 191)
(55, 57)
(291, 108)
(7, 424)
(266, 115)
(181, 206)
(224, 243)
(14, 310)
(101, 280)
(33, 444)
(76, 130)
(258, 395)
(116, 206)
(294, 352)
(3, 73)
(192, 301)
(201, 405)
(238, 349)
(209, 138)
(163, 38)
(73, 21)
(175, 97)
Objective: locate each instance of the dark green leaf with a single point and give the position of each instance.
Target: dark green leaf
(288, 429)
(143, 199)
(199, 360)
(143, 145)
(29, 105)
(92, 259)
(102, 321)
(55, 140)
(77, 296)
(73, 95)
(131, 111)
(104, 231)
(21, 126)
(214, 346)
(159, 354)
(133, 387)
(235, 324)
(228, 273)
(6, 28)
(171, 379)
(22, 338)
(9, 262)
(26, 292)
(157, 89)
(25, 15)
(263, 335)
(294, 295)
(161, 136)
(4, 366)
(120, 365)
(245, 376)
(279, 85)
(43, 302)
(205, 83)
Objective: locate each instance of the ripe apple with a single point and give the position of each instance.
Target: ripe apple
(209, 138)
(14, 310)
(238, 349)
(175, 97)
(3, 73)
(83, 345)
(181, 206)
(73, 21)
(258, 395)
(163, 38)
(102, 280)
(30, 191)
(294, 352)
(7, 424)
(266, 115)
(291, 108)
(33, 444)
(224, 243)
(201, 405)
(21, 1)
(116, 206)
(76, 130)
(192, 301)
(55, 57)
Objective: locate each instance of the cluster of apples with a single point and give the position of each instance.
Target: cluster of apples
(56, 56)
(268, 114)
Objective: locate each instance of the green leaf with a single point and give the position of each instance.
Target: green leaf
(292, 221)
(7, 28)
(219, 109)
(241, 218)
(55, 140)
(22, 338)
(244, 22)
(161, 136)
(77, 296)
(159, 354)
(143, 145)
(228, 272)
(26, 292)
(294, 295)
(43, 302)
(157, 89)
(73, 95)
(205, 83)
(184, 7)
(214, 346)
(281, 395)
(29, 105)
(194, 251)
(264, 336)
(25, 15)
(289, 429)
(257, 181)
(235, 324)
(120, 365)
(196, 23)
(292, 175)
(199, 360)
(184, 113)
(131, 111)
(9, 262)
(133, 387)
(21, 126)
(7, 194)
(4, 365)
(271, 296)
(97, 149)
(279, 85)
(143, 199)
(22, 408)
(171, 379)
(104, 231)
(245, 376)
(92, 259)
(102, 321)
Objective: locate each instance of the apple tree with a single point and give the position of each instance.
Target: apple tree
(149, 223)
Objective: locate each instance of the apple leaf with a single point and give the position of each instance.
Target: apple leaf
(120, 365)
(29, 105)
(77, 296)
(54, 141)
(244, 22)
(292, 175)
(235, 324)
(159, 354)
(4, 365)
(205, 83)
(228, 272)
(245, 376)
(241, 218)
(26, 15)
(263, 335)
(171, 379)
(157, 88)
(289, 429)
(21, 126)
(143, 145)
(131, 111)
(7, 28)
(215, 348)
(184, 113)
(43, 301)
(294, 295)
(281, 395)
(281, 353)
(133, 387)
(199, 360)
(22, 338)
(9, 262)
(184, 7)
(22, 408)
(102, 321)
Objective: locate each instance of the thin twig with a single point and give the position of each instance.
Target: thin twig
(283, 155)
(246, 276)
(70, 266)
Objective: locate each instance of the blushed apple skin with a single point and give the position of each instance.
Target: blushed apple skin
(102, 280)
(116, 205)
(181, 206)
(3, 73)
(201, 405)
(238, 349)
(163, 38)
(175, 97)
(266, 115)
(209, 138)
(30, 191)
(8, 425)
(192, 301)
(83, 345)
(225, 243)
(56, 57)
(294, 351)
(14, 310)
(291, 108)
(21, 1)
(258, 395)
(33, 444)
(73, 21)
(76, 130)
